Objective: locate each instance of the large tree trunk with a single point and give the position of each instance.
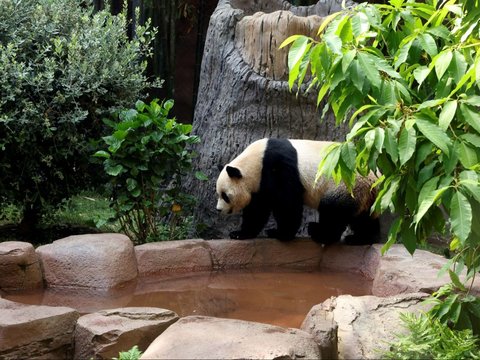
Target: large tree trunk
(243, 92)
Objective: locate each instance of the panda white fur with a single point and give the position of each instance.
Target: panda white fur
(277, 176)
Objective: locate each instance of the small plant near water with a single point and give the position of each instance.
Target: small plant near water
(146, 156)
(133, 354)
(429, 338)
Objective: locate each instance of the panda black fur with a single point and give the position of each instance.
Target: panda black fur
(277, 176)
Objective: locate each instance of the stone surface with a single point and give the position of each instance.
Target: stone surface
(356, 259)
(19, 266)
(103, 334)
(173, 256)
(398, 272)
(258, 253)
(93, 261)
(201, 337)
(30, 331)
(365, 323)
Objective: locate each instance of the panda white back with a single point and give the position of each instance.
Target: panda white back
(309, 153)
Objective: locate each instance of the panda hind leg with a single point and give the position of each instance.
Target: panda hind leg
(366, 230)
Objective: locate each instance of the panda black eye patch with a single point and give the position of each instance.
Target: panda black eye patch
(225, 198)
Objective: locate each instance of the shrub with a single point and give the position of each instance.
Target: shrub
(147, 156)
(428, 338)
(406, 76)
(63, 68)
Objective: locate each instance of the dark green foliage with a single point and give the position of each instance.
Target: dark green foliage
(147, 156)
(428, 338)
(62, 68)
(406, 76)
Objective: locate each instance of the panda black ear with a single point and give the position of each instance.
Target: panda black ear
(234, 172)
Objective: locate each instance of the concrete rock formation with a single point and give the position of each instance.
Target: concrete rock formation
(202, 337)
(362, 325)
(93, 261)
(31, 331)
(103, 334)
(19, 266)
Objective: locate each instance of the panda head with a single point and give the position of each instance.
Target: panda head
(233, 193)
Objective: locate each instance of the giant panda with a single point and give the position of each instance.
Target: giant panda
(277, 176)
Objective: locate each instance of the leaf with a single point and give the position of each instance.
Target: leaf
(472, 100)
(460, 216)
(348, 153)
(406, 144)
(427, 197)
(466, 155)
(360, 24)
(334, 43)
(347, 59)
(392, 235)
(102, 154)
(442, 62)
(289, 40)
(456, 280)
(433, 133)
(297, 50)
(447, 114)
(409, 239)
(327, 21)
(471, 117)
(428, 44)
(114, 170)
(369, 69)
(201, 176)
(420, 74)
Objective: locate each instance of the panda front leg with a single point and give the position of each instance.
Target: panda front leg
(288, 218)
(254, 217)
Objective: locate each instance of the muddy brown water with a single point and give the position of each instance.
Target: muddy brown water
(273, 297)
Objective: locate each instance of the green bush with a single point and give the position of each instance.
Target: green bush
(62, 69)
(146, 158)
(406, 76)
(133, 354)
(428, 338)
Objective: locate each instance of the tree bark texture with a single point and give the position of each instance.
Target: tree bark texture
(243, 92)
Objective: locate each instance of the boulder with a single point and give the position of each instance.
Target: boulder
(201, 337)
(365, 323)
(102, 335)
(299, 254)
(398, 272)
(173, 256)
(92, 261)
(19, 266)
(31, 331)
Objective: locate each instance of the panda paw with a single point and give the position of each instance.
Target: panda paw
(274, 233)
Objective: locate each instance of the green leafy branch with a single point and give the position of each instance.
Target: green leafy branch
(406, 77)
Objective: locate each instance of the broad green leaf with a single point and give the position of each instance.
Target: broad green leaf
(460, 216)
(433, 133)
(327, 21)
(442, 62)
(427, 197)
(473, 139)
(456, 280)
(402, 53)
(428, 44)
(360, 24)
(113, 170)
(289, 40)
(406, 144)
(392, 235)
(131, 184)
(466, 155)
(347, 59)
(472, 117)
(472, 100)
(357, 75)
(420, 74)
(391, 145)
(369, 68)
(344, 30)
(458, 66)
(349, 153)
(102, 154)
(409, 238)
(431, 103)
(297, 51)
(334, 43)
(447, 114)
